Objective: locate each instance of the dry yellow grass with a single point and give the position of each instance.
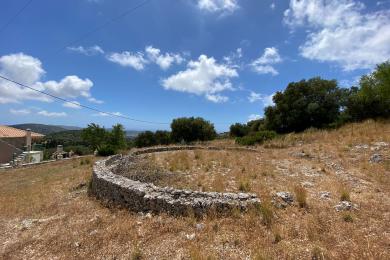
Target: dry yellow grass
(45, 212)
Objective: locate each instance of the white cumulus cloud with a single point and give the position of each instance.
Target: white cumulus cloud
(28, 70)
(234, 59)
(72, 104)
(265, 99)
(213, 6)
(163, 60)
(88, 51)
(216, 98)
(252, 117)
(108, 114)
(203, 77)
(128, 59)
(20, 112)
(94, 100)
(52, 114)
(139, 60)
(264, 64)
(342, 32)
(68, 87)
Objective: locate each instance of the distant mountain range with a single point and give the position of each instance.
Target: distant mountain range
(49, 129)
(46, 129)
(132, 133)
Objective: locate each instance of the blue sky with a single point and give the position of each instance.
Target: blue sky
(218, 59)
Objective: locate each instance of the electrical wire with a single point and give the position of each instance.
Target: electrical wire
(98, 28)
(15, 16)
(81, 105)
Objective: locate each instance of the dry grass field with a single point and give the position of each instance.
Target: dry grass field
(45, 212)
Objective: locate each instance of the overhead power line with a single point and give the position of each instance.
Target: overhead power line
(98, 28)
(83, 106)
(15, 16)
(92, 108)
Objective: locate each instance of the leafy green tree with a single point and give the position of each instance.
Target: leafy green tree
(163, 137)
(308, 103)
(191, 129)
(94, 135)
(145, 139)
(256, 125)
(238, 130)
(372, 98)
(117, 137)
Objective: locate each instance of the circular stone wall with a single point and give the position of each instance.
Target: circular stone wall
(139, 196)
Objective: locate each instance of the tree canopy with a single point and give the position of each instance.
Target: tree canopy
(308, 103)
(372, 98)
(105, 142)
(190, 129)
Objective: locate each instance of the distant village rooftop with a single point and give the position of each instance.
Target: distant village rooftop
(10, 132)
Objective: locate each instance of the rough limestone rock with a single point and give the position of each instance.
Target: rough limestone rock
(146, 197)
(282, 199)
(345, 205)
(376, 158)
(324, 195)
(285, 196)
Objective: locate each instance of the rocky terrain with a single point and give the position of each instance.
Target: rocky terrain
(324, 195)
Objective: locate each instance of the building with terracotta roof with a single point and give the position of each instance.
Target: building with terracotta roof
(14, 141)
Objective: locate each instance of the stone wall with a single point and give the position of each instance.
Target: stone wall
(143, 197)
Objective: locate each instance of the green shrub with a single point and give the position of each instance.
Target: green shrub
(345, 196)
(267, 213)
(348, 218)
(256, 138)
(79, 149)
(244, 186)
(106, 150)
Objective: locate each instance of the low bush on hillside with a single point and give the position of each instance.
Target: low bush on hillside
(78, 149)
(106, 150)
(256, 138)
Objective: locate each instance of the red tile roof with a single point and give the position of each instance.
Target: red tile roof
(10, 132)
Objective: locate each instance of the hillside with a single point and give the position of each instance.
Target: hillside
(45, 129)
(324, 195)
(65, 138)
(132, 133)
(49, 129)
